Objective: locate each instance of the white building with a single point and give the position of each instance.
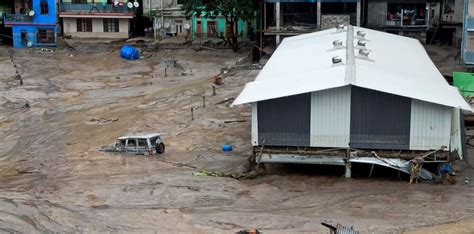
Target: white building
(336, 96)
(96, 20)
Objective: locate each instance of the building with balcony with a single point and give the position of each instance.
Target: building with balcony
(467, 46)
(96, 19)
(413, 18)
(33, 23)
(282, 18)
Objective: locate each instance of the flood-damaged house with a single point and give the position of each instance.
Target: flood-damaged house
(32, 23)
(97, 19)
(353, 95)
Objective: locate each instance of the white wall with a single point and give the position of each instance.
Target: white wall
(330, 118)
(70, 29)
(430, 126)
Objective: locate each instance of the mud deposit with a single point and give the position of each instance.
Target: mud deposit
(53, 178)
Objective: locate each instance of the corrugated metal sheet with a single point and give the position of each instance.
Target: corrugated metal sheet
(285, 121)
(330, 117)
(379, 120)
(430, 126)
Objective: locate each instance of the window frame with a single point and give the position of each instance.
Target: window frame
(113, 24)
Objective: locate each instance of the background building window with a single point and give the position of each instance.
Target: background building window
(45, 36)
(111, 25)
(84, 25)
(44, 7)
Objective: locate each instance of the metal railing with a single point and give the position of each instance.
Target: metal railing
(18, 18)
(93, 8)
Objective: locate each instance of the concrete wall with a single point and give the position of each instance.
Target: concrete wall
(376, 14)
(70, 29)
(329, 21)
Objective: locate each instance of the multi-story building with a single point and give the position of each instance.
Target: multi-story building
(97, 18)
(467, 47)
(414, 18)
(168, 17)
(33, 23)
(283, 18)
(214, 26)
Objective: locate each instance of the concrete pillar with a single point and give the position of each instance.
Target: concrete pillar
(358, 12)
(348, 170)
(318, 14)
(264, 16)
(277, 22)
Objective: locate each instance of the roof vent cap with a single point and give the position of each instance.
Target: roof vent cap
(364, 52)
(340, 27)
(361, 43)
(336, 60)
(361, 34)
(337, 43)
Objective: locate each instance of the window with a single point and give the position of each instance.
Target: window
(44, 7)
(84, 25)
(142, 142)
(45, 36)
(24, 35)
(79, 1)
(111, 25)
(179, 2)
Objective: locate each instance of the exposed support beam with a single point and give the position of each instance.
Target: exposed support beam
(277, 22)
(358, 12)
(264, 16)
(348, 173)
(318, 14)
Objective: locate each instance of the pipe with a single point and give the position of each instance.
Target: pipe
(162, 19)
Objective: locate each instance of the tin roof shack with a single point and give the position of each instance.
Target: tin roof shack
(353, 94)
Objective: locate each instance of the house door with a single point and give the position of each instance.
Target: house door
(179, 28)
(199, 28)
(211, 29)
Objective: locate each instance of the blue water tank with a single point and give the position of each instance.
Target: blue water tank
(226, 148)
(129, 52)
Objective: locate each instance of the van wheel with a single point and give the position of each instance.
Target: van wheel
(160, 148)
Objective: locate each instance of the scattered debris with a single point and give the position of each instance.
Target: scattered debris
(249, 231)
(47, 50)
(101, 121)
(235, 121)
(227, 100)
(339, 229)
(237, 176)
(416, 165)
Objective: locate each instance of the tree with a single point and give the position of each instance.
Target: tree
(231, 10)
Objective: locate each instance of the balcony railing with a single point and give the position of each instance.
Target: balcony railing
(94, 8)
(18, 18)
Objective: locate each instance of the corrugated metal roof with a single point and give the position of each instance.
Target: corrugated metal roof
(395, 64)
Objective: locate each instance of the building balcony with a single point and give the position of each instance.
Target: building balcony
(95, 10)
(18, 19)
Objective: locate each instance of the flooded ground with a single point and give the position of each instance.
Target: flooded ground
(53, 178)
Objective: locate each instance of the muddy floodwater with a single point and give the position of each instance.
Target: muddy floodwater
(54, 178)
